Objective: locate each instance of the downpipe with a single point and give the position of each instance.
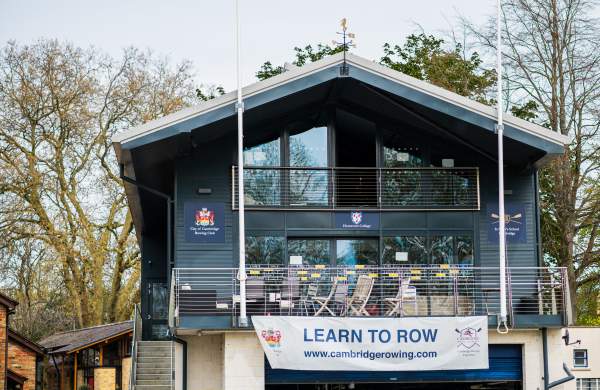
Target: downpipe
(547, 384)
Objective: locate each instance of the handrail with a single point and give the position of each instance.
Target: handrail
(134, 344)
(438, 290)
(347, 188)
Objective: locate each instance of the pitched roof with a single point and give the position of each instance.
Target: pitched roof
(370, 72)
(8, 302)
(70, 341)
(17, 338)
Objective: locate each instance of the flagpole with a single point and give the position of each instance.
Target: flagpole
(243, 320)
(500, 130)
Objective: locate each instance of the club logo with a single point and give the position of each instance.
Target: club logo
(272, 337)
(468, 338)
(205, 217)
(356, 217)
(508, 218)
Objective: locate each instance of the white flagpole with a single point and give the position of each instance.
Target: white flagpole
(500, 129)
(243, 321)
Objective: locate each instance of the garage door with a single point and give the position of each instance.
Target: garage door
(505, 365)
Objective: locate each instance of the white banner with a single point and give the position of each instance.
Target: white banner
(374, 344)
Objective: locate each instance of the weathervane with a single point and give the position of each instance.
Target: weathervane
(347, 42)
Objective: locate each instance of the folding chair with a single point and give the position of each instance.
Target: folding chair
(309, 298)
(362, 292)
(337, 292)
(406, 292)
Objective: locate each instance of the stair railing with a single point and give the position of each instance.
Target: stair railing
(137, 336)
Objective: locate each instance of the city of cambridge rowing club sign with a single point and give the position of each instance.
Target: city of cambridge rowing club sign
(374, 344)
(204, 222)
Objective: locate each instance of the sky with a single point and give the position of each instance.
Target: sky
(202, 31)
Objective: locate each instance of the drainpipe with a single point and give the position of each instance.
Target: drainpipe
(184, 344)
(547, 384)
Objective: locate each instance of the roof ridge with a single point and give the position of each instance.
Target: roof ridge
(90, 327)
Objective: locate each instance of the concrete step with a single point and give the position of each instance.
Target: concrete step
(154, 365)
(153, 382)
(153, 354)
(153, 370)
(160, 361)
(153, 377)
(153, 387)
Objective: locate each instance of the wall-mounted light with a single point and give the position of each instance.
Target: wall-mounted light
(204, 191)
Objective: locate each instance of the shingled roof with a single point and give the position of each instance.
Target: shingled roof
(70, 341)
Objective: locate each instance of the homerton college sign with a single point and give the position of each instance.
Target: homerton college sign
(374, 344)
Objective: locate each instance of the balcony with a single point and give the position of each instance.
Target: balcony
(209, 297)
(364, 188)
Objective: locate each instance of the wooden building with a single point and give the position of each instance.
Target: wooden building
(95, 358)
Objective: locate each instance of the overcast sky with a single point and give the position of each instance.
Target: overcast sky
(203, 31)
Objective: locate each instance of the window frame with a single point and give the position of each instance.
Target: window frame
(585, 358)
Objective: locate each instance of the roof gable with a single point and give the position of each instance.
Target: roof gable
(367, 72)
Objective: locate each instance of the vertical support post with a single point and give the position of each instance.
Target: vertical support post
(243, 321)
(101, 355)
(75, 370)
(62, 372)
(502, 221)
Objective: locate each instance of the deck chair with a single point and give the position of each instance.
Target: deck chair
(308, 299)
(362, 292)
(337, 294)
(406, 293)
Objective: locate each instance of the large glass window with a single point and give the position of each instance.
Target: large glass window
(400, 250)
(263, 155)
(357, 252)
(308, 252)
(452, 249)
(308, 150)
(262, 185)
(264, 250)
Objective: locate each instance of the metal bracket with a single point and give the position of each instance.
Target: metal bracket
(239, 105)
(498, 127)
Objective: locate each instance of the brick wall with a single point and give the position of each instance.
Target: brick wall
(22, 361)
(3, 336)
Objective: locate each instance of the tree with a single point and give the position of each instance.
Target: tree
(552, 65)
(425, 58)
(422, 56)
(303, 55)
(59, 185)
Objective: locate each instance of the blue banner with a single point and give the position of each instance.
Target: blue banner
(357, 220)
(204, 222)
(515, 223)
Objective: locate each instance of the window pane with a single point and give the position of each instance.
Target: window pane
(264, 155)
(404, 250)
(160, 301)
(264, 250)
(464, 250)
(309, 149)
(262, 186)
(442, 249)
(308, 252)
(357, 252)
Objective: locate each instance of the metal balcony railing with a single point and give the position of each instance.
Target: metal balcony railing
(364, 188)
(386, 291)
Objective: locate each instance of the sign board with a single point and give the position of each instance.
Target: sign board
(204, 222)
(374, 344)
(515, 223)
(356, 220)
